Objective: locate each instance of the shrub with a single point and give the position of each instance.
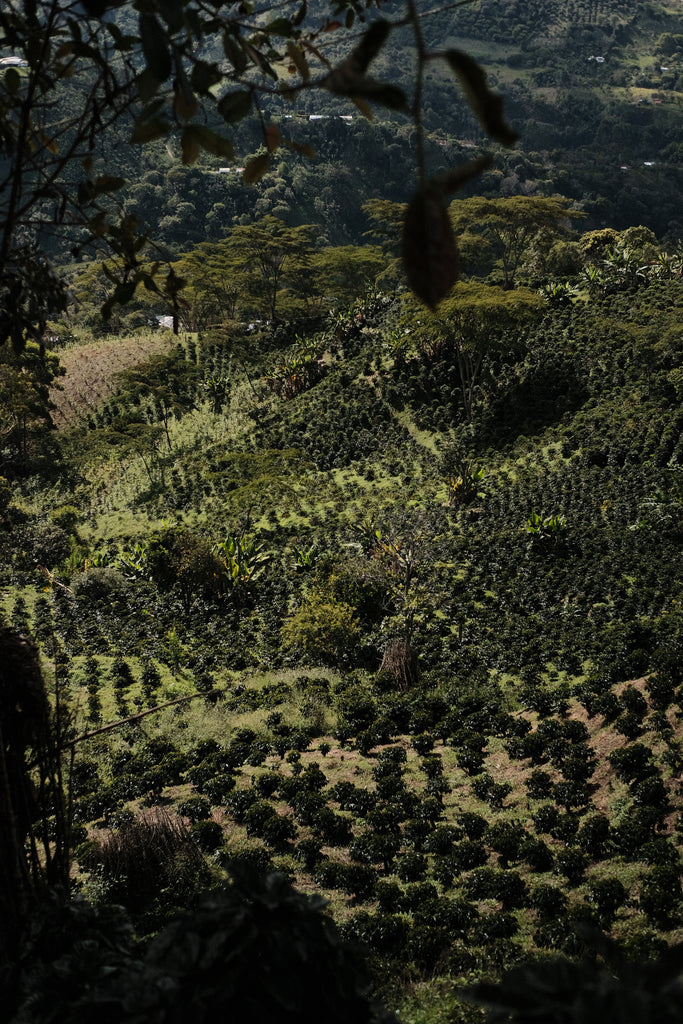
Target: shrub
(239, 802)
(306, 806)
(208, 835)
(389, 895)
(548, 901)
(571, 863)
(423, 744)
(357, 880)
(661, 896)
(195, 808)
(633, 762)
(489, 927)
(381, 932)
(536, 854)
(474, 825)
(373, 847)
(594, 836)
(539, 785)
(411, 867)
(308, 852)
(425, 946)
(468, 854)
(440, 840)
(608, 895)
(323, 630)
(505, 838)
(332, 829)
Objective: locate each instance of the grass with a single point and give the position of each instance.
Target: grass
(91, 368)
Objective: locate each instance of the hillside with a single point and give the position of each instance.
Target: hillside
(593, 90)
(429, 630)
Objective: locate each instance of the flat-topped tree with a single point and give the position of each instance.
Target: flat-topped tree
(509, 226)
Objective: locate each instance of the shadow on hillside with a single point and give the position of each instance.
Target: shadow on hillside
(541, 399)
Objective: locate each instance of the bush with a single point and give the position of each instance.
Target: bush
(195, 808)
(381, 932)
(411, 867)
(539, 785)
(608, 895)
(661, 896)
(571, 863)
(325, 631)
(548, 901)
(208, 835)
(536, 854)
(594, 836)
(489, 927)
(332, 829)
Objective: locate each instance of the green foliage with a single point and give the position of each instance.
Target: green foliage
(324, 631)
(258, 949)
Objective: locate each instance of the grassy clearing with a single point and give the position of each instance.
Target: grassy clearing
(91, 368)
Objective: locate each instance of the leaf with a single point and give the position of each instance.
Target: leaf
(184, 102)
(190, 144)
(300, 147)
(235, 105)
(272, 137)
(364, 108)
(147, 84)
(298, 58)
(12, 81)
(256, 168)
(154, 47)
(214, 143)
(280, 27)
(301, 14)
(349, 78)
(235, 53)
(172, 13)
(370, 45)
(452, 180)
(47, 141)
(147, 131)
(204, 76)
(486, 105)
(108, 183)
(429, 249)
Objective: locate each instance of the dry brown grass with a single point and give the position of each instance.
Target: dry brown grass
(91, 370)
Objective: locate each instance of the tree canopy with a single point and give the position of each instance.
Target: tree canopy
(186, 72)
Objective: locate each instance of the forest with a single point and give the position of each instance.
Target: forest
(342, 631)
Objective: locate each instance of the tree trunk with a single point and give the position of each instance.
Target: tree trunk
(400, 661)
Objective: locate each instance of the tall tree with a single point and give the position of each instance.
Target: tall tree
(510, 225)
(270, 257)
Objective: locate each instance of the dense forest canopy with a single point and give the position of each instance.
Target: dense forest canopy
(346, 616)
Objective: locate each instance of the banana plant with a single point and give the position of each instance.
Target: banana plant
(217, 392)
(546, 531)
(305, 558)
(465, 482)
(134, 564)
(244, 562)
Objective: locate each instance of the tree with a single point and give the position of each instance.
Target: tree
(24, 401)
(508, 226)
(213, 285)
(344, 272)
(260, 261)
(184, 72)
